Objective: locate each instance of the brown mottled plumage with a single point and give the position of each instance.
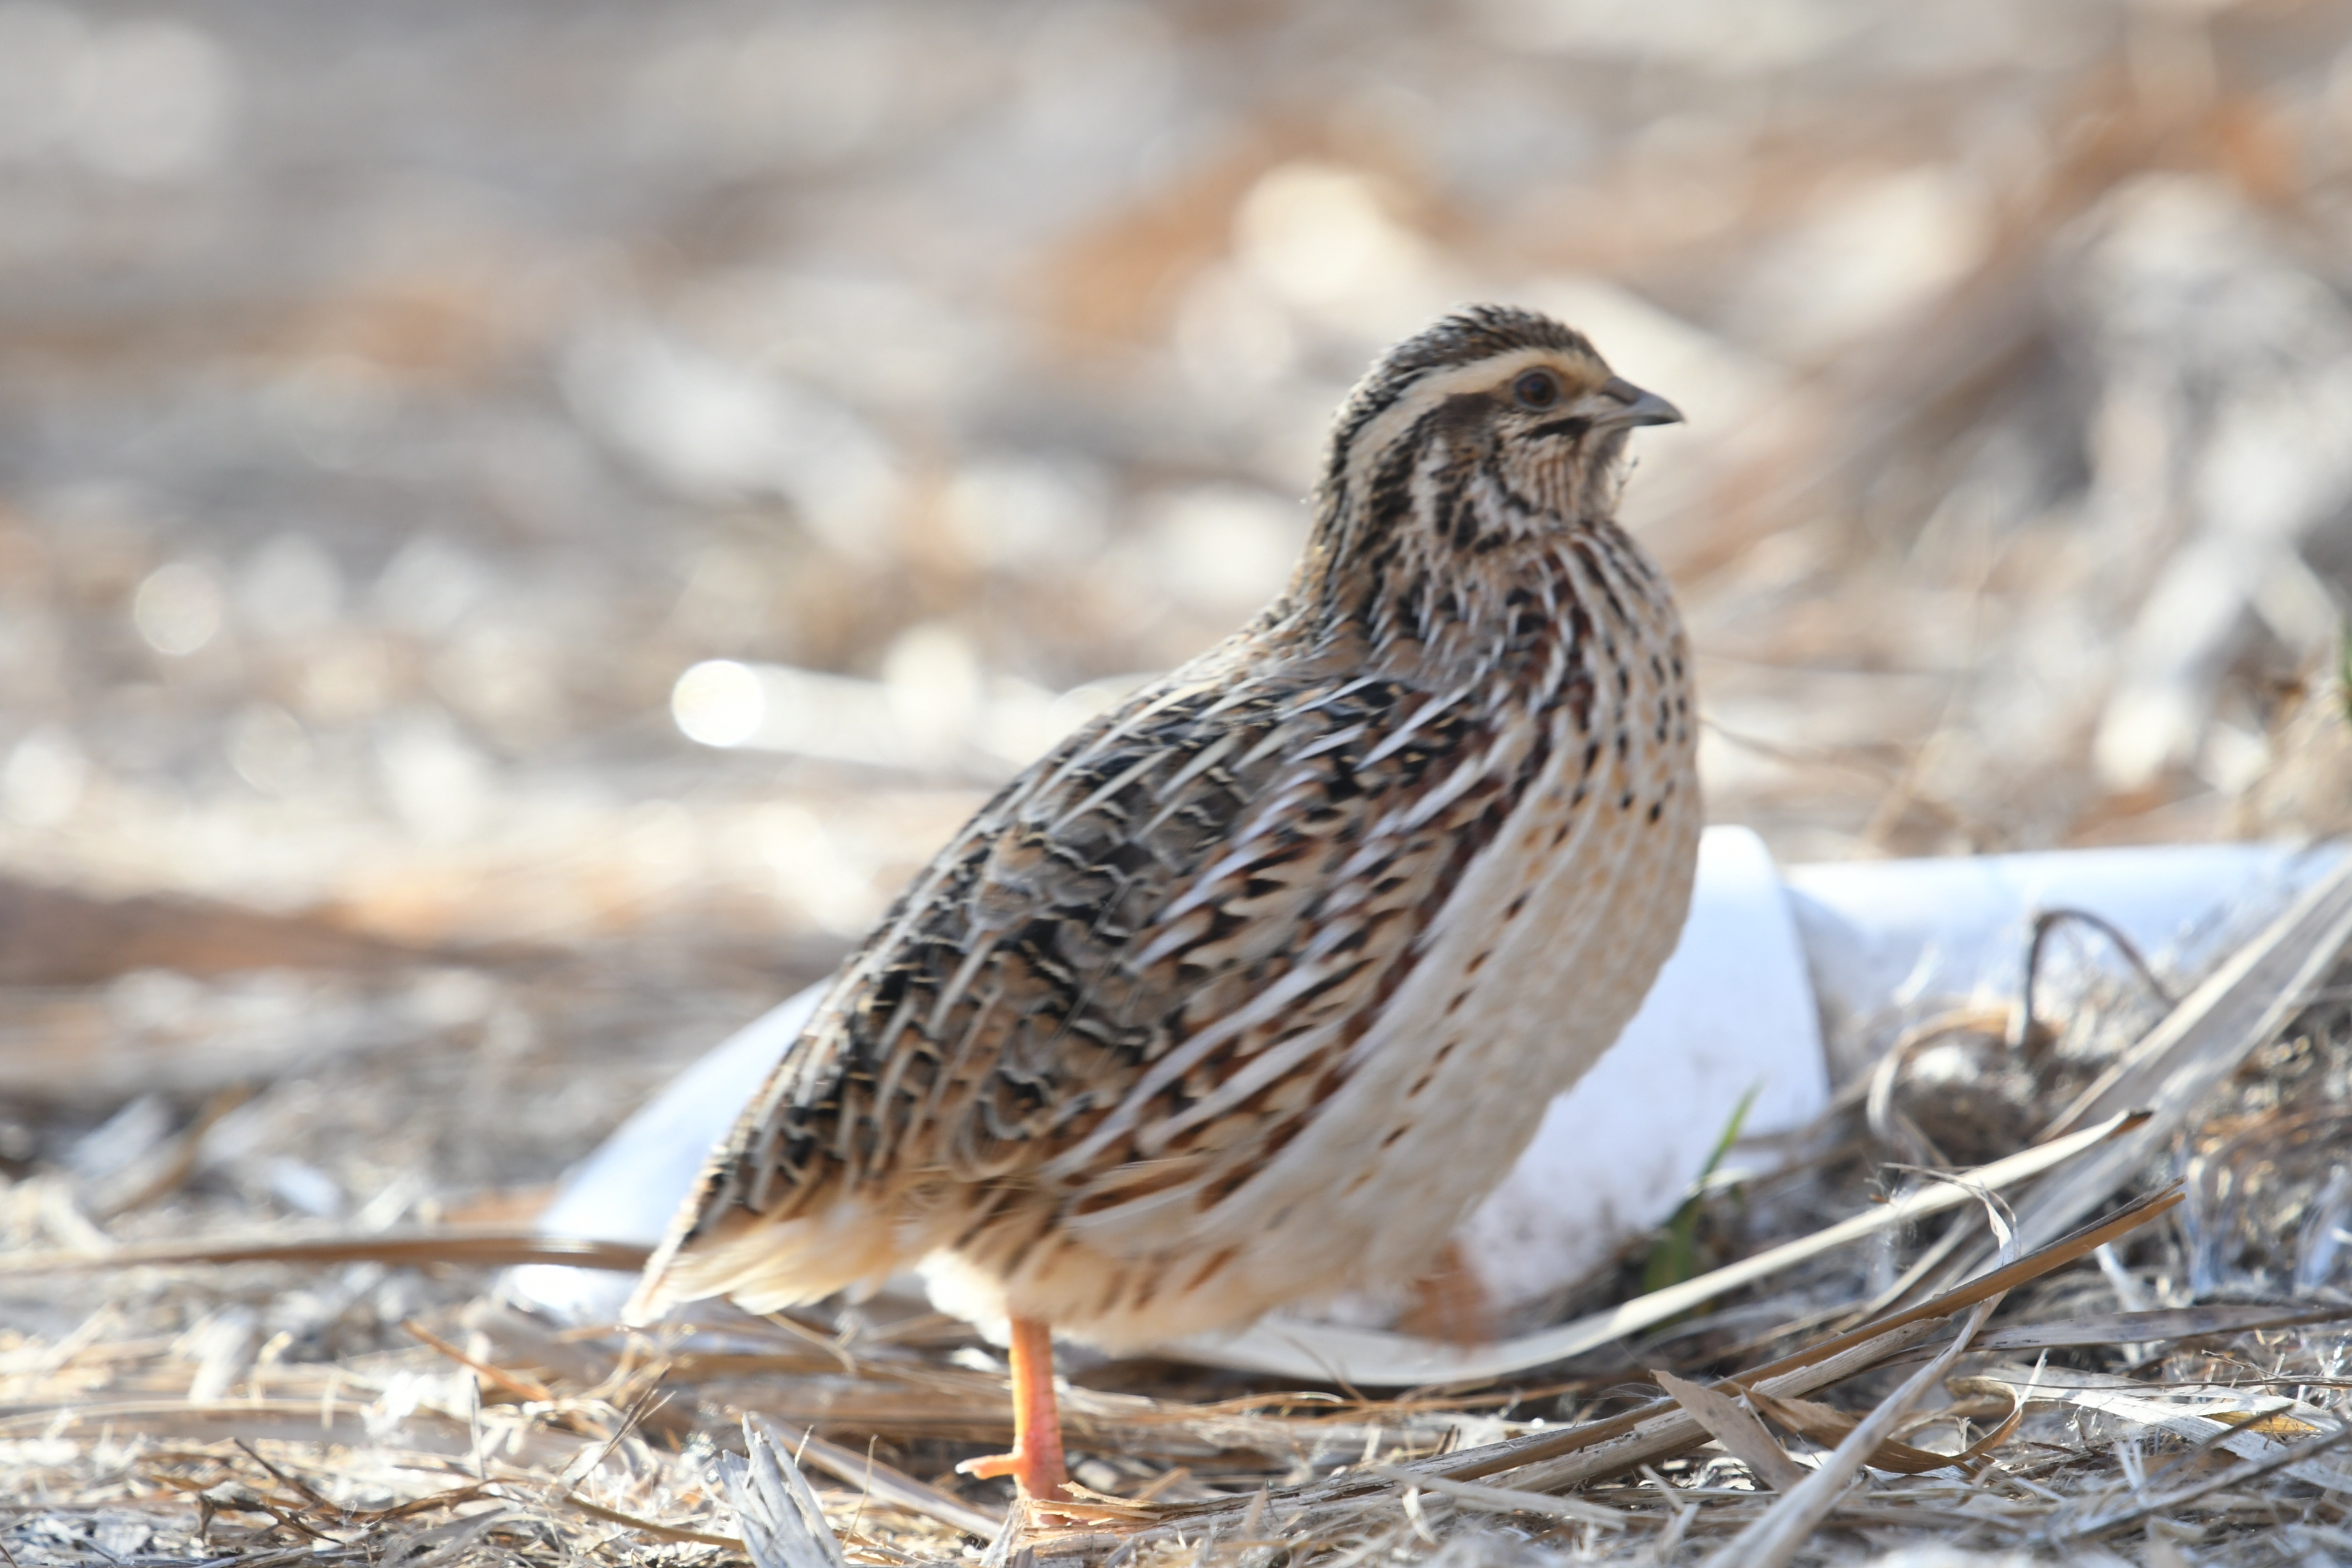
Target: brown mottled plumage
(1250, 989)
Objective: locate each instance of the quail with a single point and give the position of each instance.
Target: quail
(1248, 990)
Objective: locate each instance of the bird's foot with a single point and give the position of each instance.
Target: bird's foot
(1036, 1461)
(1040, 1474)
(1040, 1477)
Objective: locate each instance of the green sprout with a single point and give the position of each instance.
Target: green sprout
(1674, 1256)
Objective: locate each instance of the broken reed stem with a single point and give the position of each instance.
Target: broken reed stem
(1475, 1463)
(1772, 1540)
(520, 1387)
(1661, 1430)
(2283, 1459)
(573, 1500)
(888, 1484)
(478, 1249)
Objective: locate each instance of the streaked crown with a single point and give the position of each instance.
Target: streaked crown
(1493, 386)
(1496, 426)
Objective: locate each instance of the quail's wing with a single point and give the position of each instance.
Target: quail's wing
(1140, 964)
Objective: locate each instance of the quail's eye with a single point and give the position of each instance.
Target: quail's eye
(1536, 389)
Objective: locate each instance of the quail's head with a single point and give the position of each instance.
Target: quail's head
(1494, 422)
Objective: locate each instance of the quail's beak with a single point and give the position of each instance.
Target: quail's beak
(1620, 404)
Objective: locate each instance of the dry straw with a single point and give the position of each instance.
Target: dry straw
(168, 1423)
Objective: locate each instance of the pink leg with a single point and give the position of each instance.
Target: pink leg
(1036, 1462)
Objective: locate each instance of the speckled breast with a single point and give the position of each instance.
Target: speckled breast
(1537, 960)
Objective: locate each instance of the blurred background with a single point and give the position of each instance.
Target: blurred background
(522, 522)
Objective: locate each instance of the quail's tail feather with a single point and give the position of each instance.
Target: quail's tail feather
(767, 1264)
